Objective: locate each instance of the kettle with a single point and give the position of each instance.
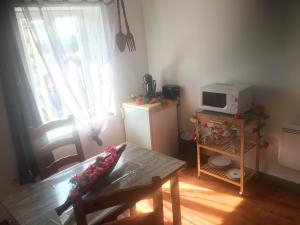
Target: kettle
(149, 85)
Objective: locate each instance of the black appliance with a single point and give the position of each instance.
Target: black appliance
(149, 85)
(171, 92)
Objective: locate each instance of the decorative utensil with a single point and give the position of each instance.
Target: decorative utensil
(121, 38)
(219, 162)
(130, 38)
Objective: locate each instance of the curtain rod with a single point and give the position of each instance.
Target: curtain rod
(60, 2)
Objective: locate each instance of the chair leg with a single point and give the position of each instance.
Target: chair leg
(133, 211)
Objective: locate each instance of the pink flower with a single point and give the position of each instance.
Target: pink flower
(153, 100)
(109, 160)
(99, 170)
(221, 131)
(139, 100)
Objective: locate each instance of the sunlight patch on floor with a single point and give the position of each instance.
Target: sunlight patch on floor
(199, 205)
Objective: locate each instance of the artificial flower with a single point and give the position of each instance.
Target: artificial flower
(221, 131)
(237, 115)
(205, 125)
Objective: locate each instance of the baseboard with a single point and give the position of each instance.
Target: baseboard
(281, 183)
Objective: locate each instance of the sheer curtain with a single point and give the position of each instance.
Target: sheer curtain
(70, 57)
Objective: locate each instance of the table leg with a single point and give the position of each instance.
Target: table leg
(175, 200)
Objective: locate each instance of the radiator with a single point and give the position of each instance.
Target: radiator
(289, 147)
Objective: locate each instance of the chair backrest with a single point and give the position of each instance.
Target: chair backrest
(126, 197)
(44, 147)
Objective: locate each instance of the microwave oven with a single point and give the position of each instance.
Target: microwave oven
(226, 98)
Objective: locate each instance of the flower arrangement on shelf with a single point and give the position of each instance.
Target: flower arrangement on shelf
(217, 130)
(197, 128)
(141, 100)
(83, 182)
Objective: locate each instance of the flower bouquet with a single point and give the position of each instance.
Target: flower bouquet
(83, 182)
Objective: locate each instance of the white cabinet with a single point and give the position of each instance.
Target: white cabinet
(152, 126)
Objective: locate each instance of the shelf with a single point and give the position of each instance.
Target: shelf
(217, 117)
(226, 148)
(221, 174)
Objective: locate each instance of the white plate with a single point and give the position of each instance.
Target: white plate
(219, 161)
(233, 174)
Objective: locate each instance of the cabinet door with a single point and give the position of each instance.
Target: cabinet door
(137, 127)
(165, 131)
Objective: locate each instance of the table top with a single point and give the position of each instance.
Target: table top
(151, 107)
(36, 204)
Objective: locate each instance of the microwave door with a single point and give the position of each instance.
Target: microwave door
(213, 99)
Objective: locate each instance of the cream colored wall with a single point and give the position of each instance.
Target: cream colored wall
(130, 68)
(195, 42)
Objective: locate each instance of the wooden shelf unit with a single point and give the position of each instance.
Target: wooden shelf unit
(226, 148)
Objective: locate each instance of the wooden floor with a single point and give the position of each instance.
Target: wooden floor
(207, 201)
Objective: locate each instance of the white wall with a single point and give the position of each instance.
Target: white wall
(195, 42)
(130, 68)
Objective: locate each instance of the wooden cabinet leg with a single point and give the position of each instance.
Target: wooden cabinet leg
(198, 159)
(175, 200)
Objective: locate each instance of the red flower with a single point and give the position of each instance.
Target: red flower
(205, 125)
(220, 131)
(255, 130)
(153, 100)
(266, 144)
(237, 115)
(139, 100)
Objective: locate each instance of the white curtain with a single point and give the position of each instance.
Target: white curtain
(75, 45)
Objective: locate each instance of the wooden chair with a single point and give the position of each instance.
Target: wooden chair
(127, 197)
(44, 147)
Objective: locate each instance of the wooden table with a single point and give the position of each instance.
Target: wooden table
(35, 204)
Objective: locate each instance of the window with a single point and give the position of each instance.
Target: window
(68, 61)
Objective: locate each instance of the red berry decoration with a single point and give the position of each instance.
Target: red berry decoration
(237, 115)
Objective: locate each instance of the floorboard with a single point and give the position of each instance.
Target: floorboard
(207, 201)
